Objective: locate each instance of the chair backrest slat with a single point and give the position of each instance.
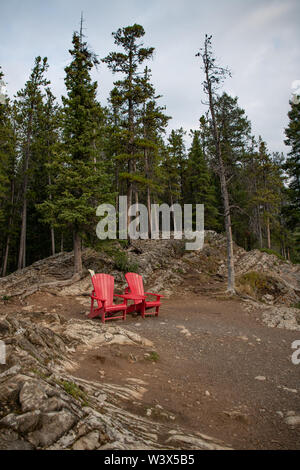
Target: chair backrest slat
(135, 283)
(104, 287)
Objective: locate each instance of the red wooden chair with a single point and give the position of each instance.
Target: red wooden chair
(136, 287)
(103, 293)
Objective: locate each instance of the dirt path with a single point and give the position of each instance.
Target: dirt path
(218, 370)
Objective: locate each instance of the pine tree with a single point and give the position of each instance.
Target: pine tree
(8, 165)
(177, 152)
(48, 143)
(152, 123)
(292, 167)
(28, 106)
(214, 75)
(4, 144)
(81, 181)
(200, 187)
(128, 96)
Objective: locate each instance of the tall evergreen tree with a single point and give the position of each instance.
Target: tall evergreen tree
(152, 123)
(128, 96)
(29, 106)
(177, 152)
(200, 187)
(292, 167)
(80, 181)
(8, 170)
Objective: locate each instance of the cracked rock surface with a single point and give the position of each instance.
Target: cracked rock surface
(44, 407)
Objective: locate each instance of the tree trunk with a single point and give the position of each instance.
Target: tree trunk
(62, 243)
(5, 260)
(149, 210)
(222, 176)
(77, 253)
(22, 249)
(260, 238)
(268, 233)
(229, 240)
(51, 228)
(131, 131)
(52, 240)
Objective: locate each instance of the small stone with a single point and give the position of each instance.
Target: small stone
(244, 338)
(260, 377)
(88, 442)
(293, 420)
(291, 390)
(207, 393)
(24, 423)
(53, 426)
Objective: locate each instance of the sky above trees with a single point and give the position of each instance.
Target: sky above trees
(257, 39)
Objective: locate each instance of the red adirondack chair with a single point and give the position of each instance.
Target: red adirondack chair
(103, 293)
(136, 286)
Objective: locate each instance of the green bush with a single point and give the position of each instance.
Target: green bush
(72, 389)
(257, 284)
(122, 263)
(153, 356)
(5, 298)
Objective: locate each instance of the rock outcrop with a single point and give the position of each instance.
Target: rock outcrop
(43, 406)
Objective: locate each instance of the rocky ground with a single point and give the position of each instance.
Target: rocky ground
(210, 372)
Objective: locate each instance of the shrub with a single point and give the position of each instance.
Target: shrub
(122, 263)
(258, 284)
(72, 389)
(153, 356)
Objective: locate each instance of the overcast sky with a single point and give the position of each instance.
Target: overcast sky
(257, 39)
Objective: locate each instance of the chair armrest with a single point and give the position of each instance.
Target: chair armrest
(98, 298)
(120, 295)
(157, 295)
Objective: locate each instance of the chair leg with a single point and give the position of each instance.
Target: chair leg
(156, 311)
(103, 317)
(92, 306)
(143, 309)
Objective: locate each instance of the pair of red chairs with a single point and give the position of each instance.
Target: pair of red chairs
(103, 294)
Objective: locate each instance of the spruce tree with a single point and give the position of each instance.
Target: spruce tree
(292, 167)
(128, 96)
(28, 107)
(200, 187)
(177, 151)
(8, 174)
(152, 126)
(80, 182)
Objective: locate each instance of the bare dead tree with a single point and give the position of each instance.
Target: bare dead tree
(214, 77)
